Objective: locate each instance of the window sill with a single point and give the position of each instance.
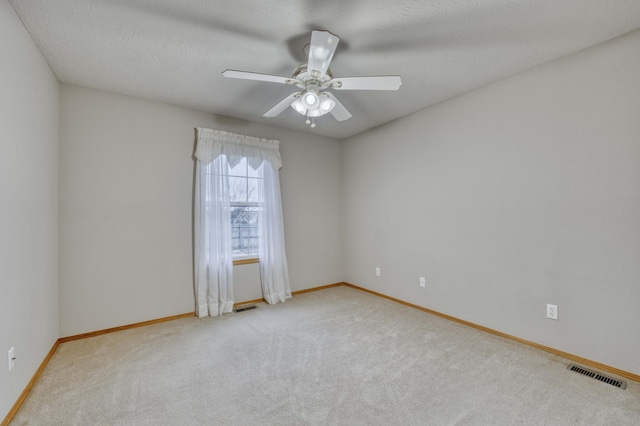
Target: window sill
(246, 261)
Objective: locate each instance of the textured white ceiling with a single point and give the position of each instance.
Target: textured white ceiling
(175, 50)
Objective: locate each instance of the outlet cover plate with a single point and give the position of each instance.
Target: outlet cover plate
(377, 272)
(423, 282)
(552, 312)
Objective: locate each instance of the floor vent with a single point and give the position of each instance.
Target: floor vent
(594, 375)
(244, 308)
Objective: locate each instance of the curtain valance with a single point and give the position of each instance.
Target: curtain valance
(210, 144)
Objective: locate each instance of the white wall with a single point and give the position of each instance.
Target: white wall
(28, 207)
(519, 194)
(126, 183)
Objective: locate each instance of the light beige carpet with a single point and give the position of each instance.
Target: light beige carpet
(337, 356)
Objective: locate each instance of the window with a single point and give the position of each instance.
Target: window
(237, 215)
(246, 197)
(245, 190)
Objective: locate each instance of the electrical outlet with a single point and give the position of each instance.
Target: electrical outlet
(423, 282)
(11, 355)
(552, 312)
(377, 272)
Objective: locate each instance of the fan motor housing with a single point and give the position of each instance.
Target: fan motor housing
(310, 79)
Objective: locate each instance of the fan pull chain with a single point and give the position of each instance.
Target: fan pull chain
(311, 121)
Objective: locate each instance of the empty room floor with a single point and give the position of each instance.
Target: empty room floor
(335, 356)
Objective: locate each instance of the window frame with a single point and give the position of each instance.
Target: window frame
(232, 172)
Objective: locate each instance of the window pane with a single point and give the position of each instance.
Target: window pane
(240, 169)
(253, 191)
(245, 187)
(238, 189)
(244, 230)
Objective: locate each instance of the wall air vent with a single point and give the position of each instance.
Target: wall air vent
(595, 375)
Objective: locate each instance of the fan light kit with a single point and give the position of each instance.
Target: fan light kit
(313, 78)
(313, 104)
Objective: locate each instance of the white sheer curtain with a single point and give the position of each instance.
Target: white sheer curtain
(212, 248)
(216, 151)
(273, 261)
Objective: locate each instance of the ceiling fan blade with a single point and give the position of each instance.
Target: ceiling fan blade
(338, 111)
(246, 75)
(323, 46)
(382, 82)
(282, 105)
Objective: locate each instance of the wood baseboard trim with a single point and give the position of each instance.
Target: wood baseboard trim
(124, 327)
(248, 302)
(576, 358)
(11, 414)
(322, 287)
(174, 317)
(293, 293)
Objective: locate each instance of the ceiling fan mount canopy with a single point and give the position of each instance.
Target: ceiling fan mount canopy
(313, 78)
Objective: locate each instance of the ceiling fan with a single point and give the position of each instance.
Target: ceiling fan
(313, 78)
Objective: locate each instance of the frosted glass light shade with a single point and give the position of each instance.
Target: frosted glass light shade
(310, 99)
(297, 105)
(327, 105)
(313, 104)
